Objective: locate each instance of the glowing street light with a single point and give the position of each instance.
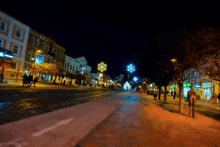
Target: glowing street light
(135, 79)
(130, 68)
(102, 66)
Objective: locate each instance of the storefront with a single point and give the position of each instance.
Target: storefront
(186, 88)
(207, 90)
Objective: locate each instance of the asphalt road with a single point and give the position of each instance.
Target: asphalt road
(23, 103)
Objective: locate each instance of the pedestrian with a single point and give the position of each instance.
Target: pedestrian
(35, 80)
(30, 79)
(167, 92)
(191, 94)
(171, 93)
(218, 98)
(24, 80)
(174, 95)
(155, 96)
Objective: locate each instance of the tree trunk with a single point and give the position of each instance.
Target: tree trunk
(159, 92)
(165, 95)
(180, 98)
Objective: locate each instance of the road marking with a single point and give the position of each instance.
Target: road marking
(63, 122)
(87, 97)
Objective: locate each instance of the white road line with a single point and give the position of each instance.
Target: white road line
(63, 122)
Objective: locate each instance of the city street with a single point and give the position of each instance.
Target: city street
(120, 119)
(19, 103)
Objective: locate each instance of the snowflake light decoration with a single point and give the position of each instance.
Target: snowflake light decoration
(100, 74)
(102, 66)
(131, 68)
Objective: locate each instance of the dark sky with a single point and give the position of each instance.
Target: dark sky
(109, 32)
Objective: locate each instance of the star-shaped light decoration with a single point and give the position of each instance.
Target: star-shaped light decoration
(102, 66)
(131, 68)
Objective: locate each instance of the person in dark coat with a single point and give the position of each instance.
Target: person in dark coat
(174, 95)
(24, 80)
(171, 92)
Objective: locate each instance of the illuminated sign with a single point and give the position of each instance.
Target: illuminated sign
(9, 56)
(206, 84)
(131, 68)
(186, 84)
(5, 55)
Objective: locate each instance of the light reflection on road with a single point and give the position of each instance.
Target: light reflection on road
(23, 108)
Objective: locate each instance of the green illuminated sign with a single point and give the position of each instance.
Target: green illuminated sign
(186, 84)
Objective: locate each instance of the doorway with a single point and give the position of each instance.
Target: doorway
(207, 93)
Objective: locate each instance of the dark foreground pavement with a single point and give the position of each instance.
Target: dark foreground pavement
(121, 119)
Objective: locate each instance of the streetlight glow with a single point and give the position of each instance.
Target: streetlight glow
(135, 79)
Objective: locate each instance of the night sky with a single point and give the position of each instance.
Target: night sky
(109, 32)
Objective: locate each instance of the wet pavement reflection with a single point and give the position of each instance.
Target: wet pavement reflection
(22, 106)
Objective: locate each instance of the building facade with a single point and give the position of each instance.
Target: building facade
(50, 52)
(14, 37)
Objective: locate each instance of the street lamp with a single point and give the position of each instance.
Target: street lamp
(35, 59)
(135, 79)
(174, 61)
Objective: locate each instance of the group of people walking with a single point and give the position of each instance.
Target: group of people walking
(29, 79)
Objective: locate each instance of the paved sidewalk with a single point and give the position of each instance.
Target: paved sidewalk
(134, 123)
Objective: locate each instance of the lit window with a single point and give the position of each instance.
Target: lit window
(15, 49)
(1, 43)
(18, 33)
(3, 26)
(13, 65)
(37, 42)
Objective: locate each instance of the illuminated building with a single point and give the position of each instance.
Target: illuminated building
(127, 86)
(13, 38)
(52, 52)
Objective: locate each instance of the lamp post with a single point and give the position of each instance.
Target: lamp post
(34, 74)
(174, 62)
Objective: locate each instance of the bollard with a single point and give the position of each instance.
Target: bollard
(193, 113)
